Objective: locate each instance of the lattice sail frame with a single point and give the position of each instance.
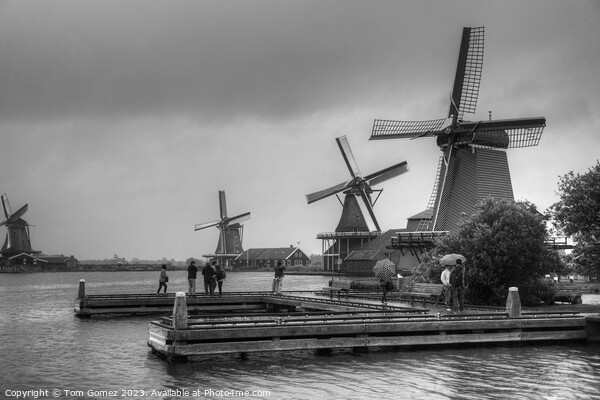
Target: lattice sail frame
(471, 73)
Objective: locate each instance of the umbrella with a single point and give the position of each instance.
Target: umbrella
(450, 259)
(384, 269)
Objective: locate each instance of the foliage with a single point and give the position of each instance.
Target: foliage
(504, 246)
(577, 214)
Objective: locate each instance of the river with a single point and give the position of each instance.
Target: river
(47, 352)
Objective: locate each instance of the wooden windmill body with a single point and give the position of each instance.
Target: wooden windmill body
(354, 228)
(474, 163)
(231, 233)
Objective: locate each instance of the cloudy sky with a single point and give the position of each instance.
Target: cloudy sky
(121, 120)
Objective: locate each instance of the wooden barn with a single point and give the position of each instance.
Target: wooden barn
(268, 257)
(361, 262)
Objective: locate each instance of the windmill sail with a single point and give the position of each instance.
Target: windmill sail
(352, 218)
(468, 73)
(474, 163)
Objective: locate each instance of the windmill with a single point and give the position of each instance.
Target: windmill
(231, 231)
(474, 164)
(17, 237)
(353, 228)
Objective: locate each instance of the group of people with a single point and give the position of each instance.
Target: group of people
(213, 274)
(453, 278)
(213, 277)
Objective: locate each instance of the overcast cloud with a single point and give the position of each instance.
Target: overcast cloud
(121, 120)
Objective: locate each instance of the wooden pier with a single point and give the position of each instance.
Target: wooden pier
(231, 302)
(359, 331)
(181, 336)
(247, 322)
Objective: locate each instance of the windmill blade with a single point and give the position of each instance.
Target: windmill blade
(239, 218)
(389, 129)
(505, 133)
(369, 205)
(321, 194)
(222, 204)
(468, 73)
(6, 206)
(387, 173)
(344, 146)
(17, 214)
(206, 225)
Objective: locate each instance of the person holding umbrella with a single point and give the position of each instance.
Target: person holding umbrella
(457, 280)
(384, 270)
(447, 287)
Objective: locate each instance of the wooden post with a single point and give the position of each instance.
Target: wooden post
(180, 315)
(513, 303)
(81, 293)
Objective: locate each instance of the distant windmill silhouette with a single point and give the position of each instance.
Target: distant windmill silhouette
(17, 237)
(231, 231)
(474, 164)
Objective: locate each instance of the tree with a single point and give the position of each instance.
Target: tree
(504, 243)
(577, 214)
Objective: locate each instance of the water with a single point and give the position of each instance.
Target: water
(44, 347)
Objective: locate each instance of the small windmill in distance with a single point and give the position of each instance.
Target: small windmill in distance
(231, 232)
(17, 236)
(474, 163)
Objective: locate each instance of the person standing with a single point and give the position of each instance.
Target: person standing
(447, 287)
(278, 278)
(221, 275)
(162, 281)
(384, 284)
(209, 274)
(457, 280)
(192, 272)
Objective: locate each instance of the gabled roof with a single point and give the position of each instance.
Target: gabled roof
(278, 253)
(382, 241)
(423, 214)
(23, 254)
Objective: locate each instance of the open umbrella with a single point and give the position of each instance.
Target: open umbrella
(384, 269)
(450, 259)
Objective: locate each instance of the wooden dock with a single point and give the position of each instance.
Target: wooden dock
(231, 302)
(181, 336)
(247, 322)
(359, 331)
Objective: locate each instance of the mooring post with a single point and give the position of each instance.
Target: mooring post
(180, 314)
(513, 303)
(81, 293)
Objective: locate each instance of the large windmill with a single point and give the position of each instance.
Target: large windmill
(17, 238)
(353, 229)
(474, 164)
(230, 232)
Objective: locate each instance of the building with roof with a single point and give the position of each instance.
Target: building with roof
(33, 262)
(361, 262)
(268, 257)
(401, 247)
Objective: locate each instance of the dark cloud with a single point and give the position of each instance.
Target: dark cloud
(129, 116)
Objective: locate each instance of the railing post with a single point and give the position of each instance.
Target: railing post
(180, 314)
(81, 293)
(513, 303)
